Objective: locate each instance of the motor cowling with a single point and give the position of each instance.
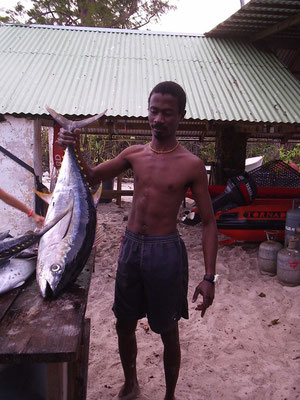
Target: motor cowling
(241, 190)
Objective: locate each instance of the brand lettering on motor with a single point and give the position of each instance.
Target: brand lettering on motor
(265, 214)
(248, 187)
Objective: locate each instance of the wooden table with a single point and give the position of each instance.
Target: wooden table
(54, 332)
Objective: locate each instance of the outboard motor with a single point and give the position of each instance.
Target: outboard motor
(241, 190)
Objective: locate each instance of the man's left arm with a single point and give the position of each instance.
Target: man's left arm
(209, 238)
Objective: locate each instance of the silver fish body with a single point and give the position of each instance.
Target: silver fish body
(15, 271)
(64, 250)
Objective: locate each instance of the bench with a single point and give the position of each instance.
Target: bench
(53, 332)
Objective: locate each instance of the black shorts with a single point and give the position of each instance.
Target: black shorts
(152, 280)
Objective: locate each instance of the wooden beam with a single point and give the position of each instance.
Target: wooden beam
(115, 194)
(287, 23)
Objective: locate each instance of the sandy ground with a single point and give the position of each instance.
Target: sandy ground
(246, 347)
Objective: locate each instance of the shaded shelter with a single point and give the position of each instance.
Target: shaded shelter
(236, 91)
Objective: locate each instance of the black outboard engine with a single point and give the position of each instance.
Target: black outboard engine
(241, 190)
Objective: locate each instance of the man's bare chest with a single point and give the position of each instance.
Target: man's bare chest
(163, 176)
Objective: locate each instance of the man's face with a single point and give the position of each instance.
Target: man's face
(163, 115)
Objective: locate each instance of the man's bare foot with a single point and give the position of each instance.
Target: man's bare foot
(127, 393)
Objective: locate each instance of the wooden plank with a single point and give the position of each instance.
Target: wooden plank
(78, 370)
(6, 300)
(56, 382)
(114, 194)
(39, 330)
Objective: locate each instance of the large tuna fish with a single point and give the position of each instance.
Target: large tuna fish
(64, 250)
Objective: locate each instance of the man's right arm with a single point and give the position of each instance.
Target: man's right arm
(102, 172)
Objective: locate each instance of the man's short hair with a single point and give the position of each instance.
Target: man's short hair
(172, 88)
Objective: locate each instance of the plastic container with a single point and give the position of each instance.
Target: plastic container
(267, 254)
(292, 223)
(288, 264)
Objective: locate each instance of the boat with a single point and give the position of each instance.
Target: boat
(253, 162)
(249, 223)
(245, 215)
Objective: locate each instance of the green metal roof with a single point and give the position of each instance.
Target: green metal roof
(82, 71)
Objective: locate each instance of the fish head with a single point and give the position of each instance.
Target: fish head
(49, 280)
(50, 269)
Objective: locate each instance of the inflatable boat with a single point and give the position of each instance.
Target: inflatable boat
(249, 223)
(245, 211)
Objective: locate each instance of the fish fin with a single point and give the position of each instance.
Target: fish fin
(47, 197)
(4, 235)
(18, 284)
(59, 217)
(71, 125)
(98, 237)
(62, 121)
(66, 221)
(97, 195)
(87, 121)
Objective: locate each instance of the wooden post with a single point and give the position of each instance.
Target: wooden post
(119, 187)
(230, 154)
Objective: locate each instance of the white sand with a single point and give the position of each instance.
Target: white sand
(234, 352)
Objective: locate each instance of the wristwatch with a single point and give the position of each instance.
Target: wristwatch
(212, 278)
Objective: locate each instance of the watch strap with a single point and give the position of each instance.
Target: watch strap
(209, 278)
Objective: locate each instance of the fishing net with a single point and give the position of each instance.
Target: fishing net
(276, 174)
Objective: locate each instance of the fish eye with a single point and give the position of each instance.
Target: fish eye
(55, 267)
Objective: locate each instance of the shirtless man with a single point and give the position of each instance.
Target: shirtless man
(152, 269)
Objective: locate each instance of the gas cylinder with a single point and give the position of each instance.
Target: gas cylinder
(288, 264)
(267, 254)
(292, 222)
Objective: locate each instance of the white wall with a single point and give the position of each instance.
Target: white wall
(21, 137)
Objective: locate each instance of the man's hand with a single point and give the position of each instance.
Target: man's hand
(66, 138)
(207, 290)
(38, 219)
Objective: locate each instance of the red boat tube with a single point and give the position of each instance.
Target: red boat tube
(250, 223)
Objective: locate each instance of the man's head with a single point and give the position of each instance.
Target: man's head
(166, 108)
(175, 90)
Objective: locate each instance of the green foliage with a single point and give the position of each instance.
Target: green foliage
(100, 149)
(45, 149)
(204, 150)
(269, 151)
(290, 154)
(125, 14)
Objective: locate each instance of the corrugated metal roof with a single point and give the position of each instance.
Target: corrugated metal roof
(259, 15)
(83, 71)
(275, 22)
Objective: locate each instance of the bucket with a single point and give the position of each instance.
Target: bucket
(292, 223)
(267, 254)
(288, 264)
